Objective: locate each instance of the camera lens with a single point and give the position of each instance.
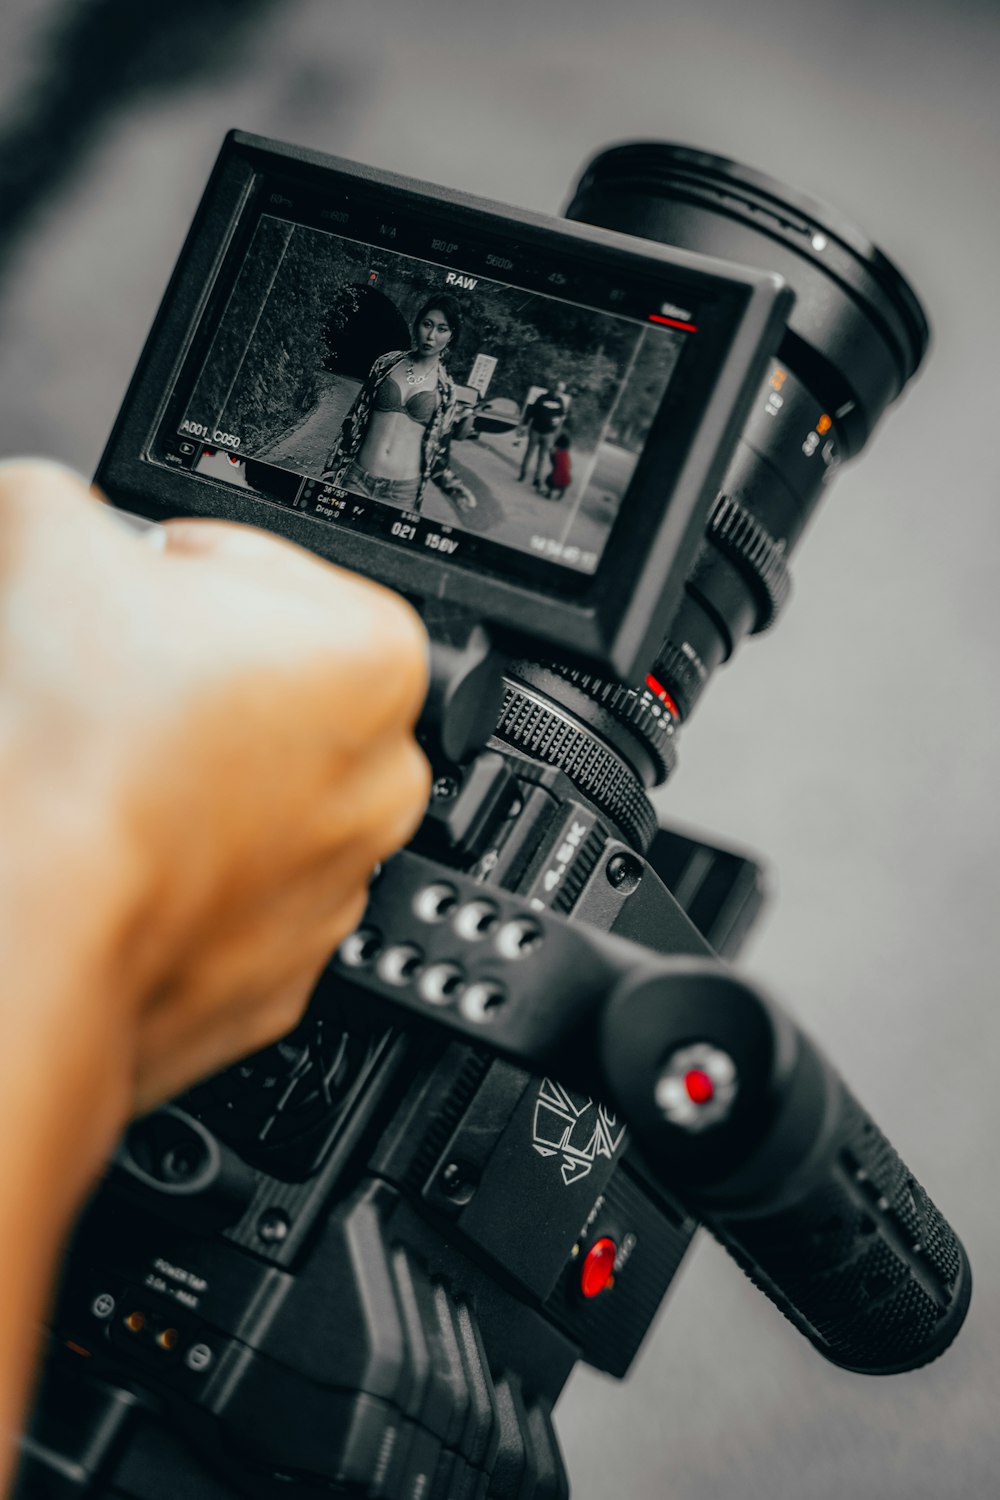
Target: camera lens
(856, 336)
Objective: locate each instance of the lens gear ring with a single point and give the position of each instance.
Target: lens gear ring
(635, 710)
(738, 534)
(545, 734)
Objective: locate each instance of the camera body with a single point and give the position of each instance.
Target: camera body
(365, 1261)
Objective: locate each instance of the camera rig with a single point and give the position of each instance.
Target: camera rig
(365, 1261)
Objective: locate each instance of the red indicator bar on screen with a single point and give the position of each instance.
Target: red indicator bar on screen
(673, 323)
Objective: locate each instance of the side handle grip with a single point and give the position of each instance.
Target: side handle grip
(744, 1119)
(862, 1262)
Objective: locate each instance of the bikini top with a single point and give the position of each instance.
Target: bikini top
(420, 408)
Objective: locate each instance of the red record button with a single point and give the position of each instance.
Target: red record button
(700, 1088)
(598, 1269)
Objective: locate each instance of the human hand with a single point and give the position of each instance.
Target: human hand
(203, 754)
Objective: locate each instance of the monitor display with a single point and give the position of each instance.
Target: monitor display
(425, 402)
(509, 418)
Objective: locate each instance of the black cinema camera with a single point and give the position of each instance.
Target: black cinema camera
(364, 1261)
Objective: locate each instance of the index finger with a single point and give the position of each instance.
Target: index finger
(390, 624)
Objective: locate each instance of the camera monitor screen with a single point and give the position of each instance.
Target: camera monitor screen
(515, 416)
(417, 399)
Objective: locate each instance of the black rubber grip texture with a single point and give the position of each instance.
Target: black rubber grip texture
(748, 544)
(602, 777)
(635, 708)
(864, 1264)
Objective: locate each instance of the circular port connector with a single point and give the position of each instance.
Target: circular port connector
(482, 1000)
(360, 948)
(441, 983)
(476, 919)
(519, 937)
(399, 964)
(435, 902)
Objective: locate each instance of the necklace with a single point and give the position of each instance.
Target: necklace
(412, 379)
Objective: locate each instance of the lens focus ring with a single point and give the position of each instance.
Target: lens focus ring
(738, 534)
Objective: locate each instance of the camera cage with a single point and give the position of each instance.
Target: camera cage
(613, 619)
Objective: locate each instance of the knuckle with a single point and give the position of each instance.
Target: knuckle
(401, 643)
(232, 542)
(412, 641)
(416, 775)
(411, 790)
(411, 778)
(374, 648)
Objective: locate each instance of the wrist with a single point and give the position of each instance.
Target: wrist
(68, 908)
(65, 1087)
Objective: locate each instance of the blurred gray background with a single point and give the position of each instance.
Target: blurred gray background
(857, 747)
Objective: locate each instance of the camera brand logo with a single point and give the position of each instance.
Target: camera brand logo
(575, 1129)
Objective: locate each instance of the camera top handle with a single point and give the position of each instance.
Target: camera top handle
(734, 1108)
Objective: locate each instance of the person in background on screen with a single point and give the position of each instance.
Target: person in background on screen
(543, 420)
(559, 475)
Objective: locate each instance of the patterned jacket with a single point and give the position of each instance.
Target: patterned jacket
(434, 444)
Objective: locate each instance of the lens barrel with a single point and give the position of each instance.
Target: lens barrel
(857, 333)
(855, 337)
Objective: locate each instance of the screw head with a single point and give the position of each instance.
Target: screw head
(444, 789)
(623, 872)
(457, 1182)
(273, 1226)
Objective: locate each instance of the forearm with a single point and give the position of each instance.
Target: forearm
(49, 1156)
(63, 1095)
(34, 1216)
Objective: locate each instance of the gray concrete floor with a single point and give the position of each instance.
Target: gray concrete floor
(859, 747)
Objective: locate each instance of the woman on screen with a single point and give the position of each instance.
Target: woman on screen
(394, 440)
